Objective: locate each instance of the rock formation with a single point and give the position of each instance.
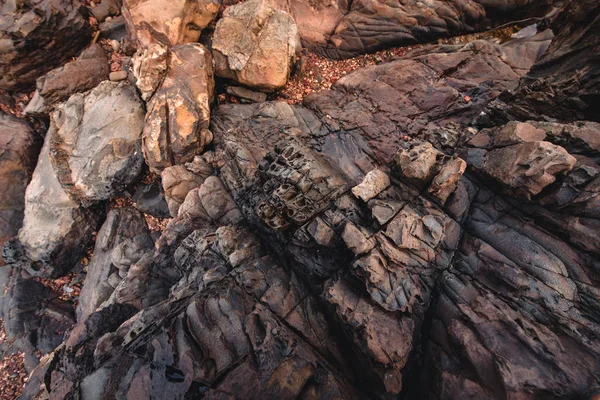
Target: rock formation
(426, 228)
(38, 36)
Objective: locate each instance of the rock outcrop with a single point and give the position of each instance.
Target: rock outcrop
(403, 234)
(342, 29)
(256, 45)
(180, 21)
(176, 127)
(37, 36)
(19, 148)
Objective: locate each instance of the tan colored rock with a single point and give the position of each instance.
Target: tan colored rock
(374, 183)
(527, 168)
(419, 163)
(179, 113)
(179, 21)
(446, 181)
(256, 45)
(150, 67)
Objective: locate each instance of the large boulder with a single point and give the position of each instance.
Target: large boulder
(180, 21)
(256, 45)
(83, 74)
(37, 36)
(178, 117)
(95, 141)
(19, 148)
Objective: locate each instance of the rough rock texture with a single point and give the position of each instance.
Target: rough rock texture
(256, 45)
(121, 242)
(83, 74)
(564, 83)
(176, 127)
(150, 65)
(342, 29)
(37, 36)
(180, 21)
(179, 180)
(95, 141)
(19, 148)
(35, 318)
(276, 281)
(55, 229)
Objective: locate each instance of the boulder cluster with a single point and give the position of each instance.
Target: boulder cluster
(427, 228)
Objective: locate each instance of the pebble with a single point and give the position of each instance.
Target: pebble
(117, 76)
(115, 45)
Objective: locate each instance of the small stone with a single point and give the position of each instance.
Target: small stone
(118, 76)
(116, 46)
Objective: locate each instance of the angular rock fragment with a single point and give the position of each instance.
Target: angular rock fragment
(37, 36)
(83, 74)
(95, 141)
(180, 21)
(374, 183)
(178, 116)
(527, 168)
(256, 45)
(446, 181)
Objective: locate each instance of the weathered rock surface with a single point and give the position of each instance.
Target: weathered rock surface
(19, 148)
(179, 180)
(180, 21)
(95, 141)
(55, 229)
(83, 74)
(176, 127)
(564, 83)
(342, 29)
(150, 199)
(256, 45)
(37, 36)
(35, 318)
(121, 242)
(429, 280)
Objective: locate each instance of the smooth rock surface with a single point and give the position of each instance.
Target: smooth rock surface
(95, 141)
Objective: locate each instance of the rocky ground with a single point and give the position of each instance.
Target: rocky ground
(291, 199)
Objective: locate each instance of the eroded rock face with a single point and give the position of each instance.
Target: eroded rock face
(19, 148)
(176, 127)
(277, 280)
(55, 229)
(179, 180)
(180, 21)
(256, 45)
(83, 74)
(37, 36)
(563, 84)
(95, 141)
(342, 29)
